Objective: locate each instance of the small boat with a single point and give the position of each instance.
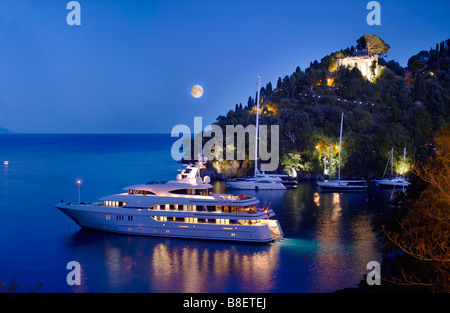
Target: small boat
(259, 181)
(342, 185)
(393, 181)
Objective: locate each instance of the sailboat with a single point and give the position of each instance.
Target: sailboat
(259, 181)
(393, 181)
(342, 185)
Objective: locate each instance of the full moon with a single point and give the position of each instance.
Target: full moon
(197, 91)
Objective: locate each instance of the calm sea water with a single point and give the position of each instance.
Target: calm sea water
(329, 238)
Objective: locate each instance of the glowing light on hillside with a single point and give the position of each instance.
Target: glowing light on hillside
(330, 82)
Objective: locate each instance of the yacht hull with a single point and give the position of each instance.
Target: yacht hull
(392, 183)
(135, 222)
(255, 186)
(331, 188)
(343, 186)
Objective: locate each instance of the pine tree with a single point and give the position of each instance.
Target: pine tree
(437, 56)
(250, 102)
(279, 83)
(268, 89)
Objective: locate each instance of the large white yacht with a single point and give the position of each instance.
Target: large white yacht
(185, 207)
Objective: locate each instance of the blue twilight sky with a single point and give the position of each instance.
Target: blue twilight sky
(129, 66)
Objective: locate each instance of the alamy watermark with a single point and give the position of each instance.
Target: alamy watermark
(74, 276)
(74, 16)
(374, 16)
(218, 149)
(374, 276)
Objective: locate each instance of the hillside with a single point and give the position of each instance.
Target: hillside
(5, 131)
(397, 108)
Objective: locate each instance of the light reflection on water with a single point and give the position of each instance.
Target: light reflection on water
(175, 265)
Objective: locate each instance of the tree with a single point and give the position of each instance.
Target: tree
(373, 44)
(279, 83)
(293, 162)
(250, 102)
(393, 66)
(415, 63)
(268, 89)
(424, 234)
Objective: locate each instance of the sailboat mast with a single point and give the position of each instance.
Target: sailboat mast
(387, 164)
(392, 162)
(404, 161)
(340, 141)
(257, 125)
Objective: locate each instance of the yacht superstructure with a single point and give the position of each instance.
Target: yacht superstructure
(185, 207)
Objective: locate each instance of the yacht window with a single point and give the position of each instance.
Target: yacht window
(201, 192)
(179, 191)
(140, 192)
(114, 203)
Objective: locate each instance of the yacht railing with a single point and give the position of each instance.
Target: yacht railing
(241, 210)
(224, 196)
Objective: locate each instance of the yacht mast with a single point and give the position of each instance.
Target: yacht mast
(404, 160)
(257, 125)
(392, 162)
(340, 141)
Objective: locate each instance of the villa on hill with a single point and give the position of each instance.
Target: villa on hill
(367, 63)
